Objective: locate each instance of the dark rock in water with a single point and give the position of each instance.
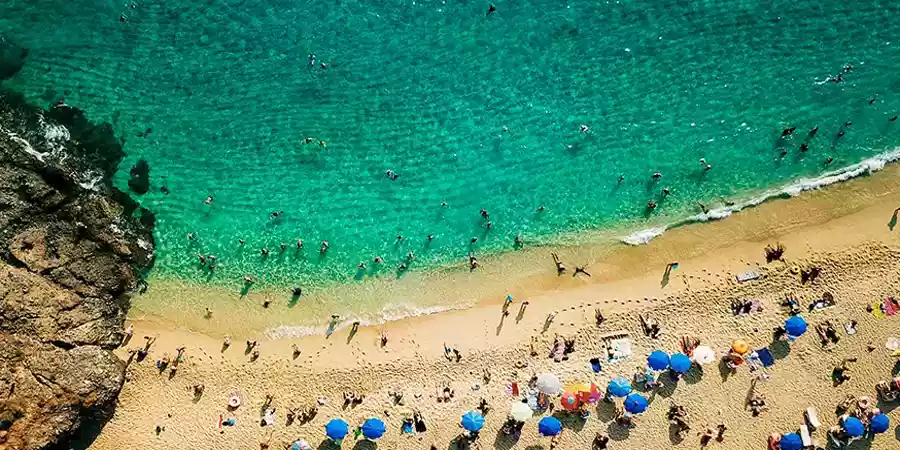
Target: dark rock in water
(12, 58)
(140, 177)
(71, 251)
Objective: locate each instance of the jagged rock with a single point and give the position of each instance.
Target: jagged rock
(71, 248)
(140, 177)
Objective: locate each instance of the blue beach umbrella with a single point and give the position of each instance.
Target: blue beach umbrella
(373, 428)
(549, 426)
(619, 387)
(854, 427)
(791, 441)
(337, 429)
(472, 421)
(658, 360)
(635, 403)
(795, 326)
(880, 423)
(680, 363)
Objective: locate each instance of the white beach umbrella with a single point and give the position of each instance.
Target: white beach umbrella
(520, 412)
(703, 355)
(548, 384)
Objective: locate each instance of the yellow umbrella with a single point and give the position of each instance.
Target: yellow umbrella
(740, 347)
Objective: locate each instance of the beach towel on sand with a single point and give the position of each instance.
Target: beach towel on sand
(747, 276)
(765, 357)
(619, 349)
(889, 308)
(876, 310)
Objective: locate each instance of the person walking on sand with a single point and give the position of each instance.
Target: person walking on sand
(560, 267)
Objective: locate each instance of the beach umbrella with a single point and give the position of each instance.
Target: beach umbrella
(795, 326)
(372, 428)
(619, 387)
(658, 360)
(548, 384)
(791, 441)
(520, 412)
(680, 363)
(740, 347)
(569, 401)
(337, 429)
(549, 426)
(635, 403)
(300, 444)
(472, 421)
(880, 423)
(854, 427)
(703, 355)
(586, 392)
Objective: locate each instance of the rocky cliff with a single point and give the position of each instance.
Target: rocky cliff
(71, 250)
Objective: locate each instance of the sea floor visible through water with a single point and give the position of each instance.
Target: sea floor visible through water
(481, 111)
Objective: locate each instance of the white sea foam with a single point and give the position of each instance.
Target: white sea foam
(793, 189)
(389, 314)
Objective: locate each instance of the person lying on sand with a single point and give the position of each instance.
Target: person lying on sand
(560, 267)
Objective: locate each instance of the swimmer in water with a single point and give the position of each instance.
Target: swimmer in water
(491, 9)
(430, 237)
(620, 179)
(312, 59)
(399, 238)
(484, 213)
(783, 153)
(275, 214)
(651, 205)
(361, 266)
(401, 267)
(814, 131)
(443, 204)
(473, 262)
(705, 164)
(323, 65)
(240, 242)
(474, 240)
(872, 100)
(804, 147)
(893, 119)
(828, 160)
(489, 225)
(208, 201)
(323, 144)
(264, 251)
(726, 201)
(324, 247)
(703, 207)
(665, 192)
(283, 246)
(657, 175)
(299, 244)
(518, 241)
(410, 256)
(164, 190)
(192, 236)
(308, 140)
(202, 260)
(540, 208)
(377, 260)
(788, 131)
(584, 128)
(848, 123)
(841, 133)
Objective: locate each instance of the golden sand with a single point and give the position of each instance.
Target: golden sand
(844, 230)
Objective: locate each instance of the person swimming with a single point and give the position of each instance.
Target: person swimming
(804, 147)
(651, 205)
(264, 251)
(491, 9)
(361, 266)
(192, 236)
(399, 238)
(474, 240)
(391, 174)
(873, 99)
(208, 201)
(324, 247)
(665, 192)
(788, 131)
(814, 131)
(240, 242)
(283, 246)
(299, 244)
(584, 128)
(620, 179)
(484, 213)
(275, 214)
(308, 140)
(893, 119)
(656, 175)
(841, 133)
(378, 260)
(312, 60)
(410, 256)
(828, 160)
(430, 237)
(706, 166)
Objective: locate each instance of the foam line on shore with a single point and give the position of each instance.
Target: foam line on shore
(793, 189)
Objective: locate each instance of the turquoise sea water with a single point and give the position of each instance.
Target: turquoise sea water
(425, 88)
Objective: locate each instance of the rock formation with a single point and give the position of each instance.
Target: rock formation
(71, 250)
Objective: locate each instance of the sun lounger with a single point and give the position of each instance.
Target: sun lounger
(747, 276)
(765, 357)
(805, 437)
(812, 418)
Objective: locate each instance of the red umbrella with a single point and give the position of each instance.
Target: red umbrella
(570, 401)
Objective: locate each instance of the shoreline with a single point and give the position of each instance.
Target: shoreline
(514, 273)
(851, 241)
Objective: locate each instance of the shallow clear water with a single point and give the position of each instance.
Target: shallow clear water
(426, 88)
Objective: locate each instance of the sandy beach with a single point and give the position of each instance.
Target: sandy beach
(845, 230)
